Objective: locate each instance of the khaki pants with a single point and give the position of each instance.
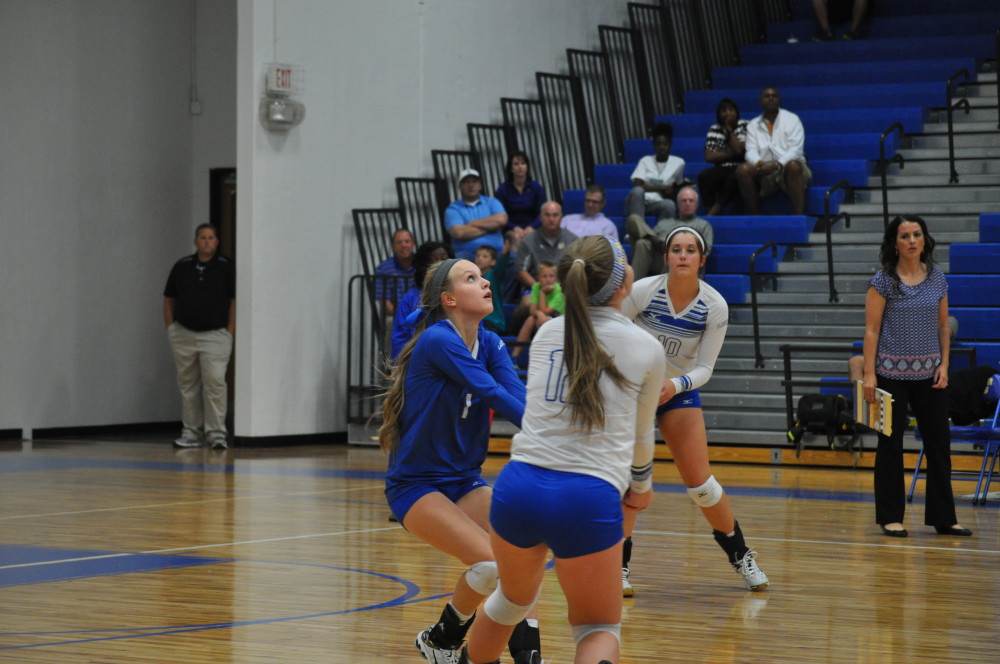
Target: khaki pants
(202, 359)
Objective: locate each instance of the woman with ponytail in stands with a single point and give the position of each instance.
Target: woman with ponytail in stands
(907, 339)
(585, 448)
(689, 319)
(436, 433)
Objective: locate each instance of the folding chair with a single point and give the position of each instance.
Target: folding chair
(986, 434)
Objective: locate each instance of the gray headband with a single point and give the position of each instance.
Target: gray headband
(440, 274)
(617, 274)
(686, 229)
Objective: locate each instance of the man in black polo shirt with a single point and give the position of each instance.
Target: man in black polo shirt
(199, 309)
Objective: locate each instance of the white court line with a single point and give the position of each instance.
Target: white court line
(183, 502)
(199, 547)
(834, 542)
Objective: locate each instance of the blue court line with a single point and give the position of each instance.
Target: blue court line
(28, 565)
(407, 597)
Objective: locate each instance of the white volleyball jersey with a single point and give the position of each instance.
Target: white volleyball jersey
(548, 439)
(691, 338)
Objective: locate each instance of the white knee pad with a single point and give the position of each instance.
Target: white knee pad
(483, 577)
(707, 494)
(503, 611)
(581, 631)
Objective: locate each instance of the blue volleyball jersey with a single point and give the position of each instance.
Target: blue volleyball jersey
(448, 393)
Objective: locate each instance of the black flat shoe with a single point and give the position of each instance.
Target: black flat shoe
(955, 530)
(894, 533)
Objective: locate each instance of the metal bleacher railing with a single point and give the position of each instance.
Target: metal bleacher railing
(883, 167)
(961, 103)
(580, 118)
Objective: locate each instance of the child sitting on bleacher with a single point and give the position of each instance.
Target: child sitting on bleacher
(546, 303)
(494, 269)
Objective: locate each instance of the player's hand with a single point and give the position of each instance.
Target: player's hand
(637, 501)
(667, 391)
(940, 378)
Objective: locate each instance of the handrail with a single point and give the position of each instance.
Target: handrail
(828, 224)
(961, 103)
(758, 357)
(883, 166)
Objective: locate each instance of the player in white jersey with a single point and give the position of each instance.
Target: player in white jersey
(585, 449)
(689, 318)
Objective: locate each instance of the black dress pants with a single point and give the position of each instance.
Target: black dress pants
(930, 407)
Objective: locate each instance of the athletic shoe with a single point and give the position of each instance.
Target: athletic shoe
(435, 654)
(627, 589)
(187, 441)
(528, 657)
(219, 442)
(753, 577)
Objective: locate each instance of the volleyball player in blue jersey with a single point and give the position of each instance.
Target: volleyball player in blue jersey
(584, 449)
(436, 425)
(689, 319)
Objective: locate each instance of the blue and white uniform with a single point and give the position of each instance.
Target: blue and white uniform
(445, 421)
(691, 339)
(564, 484)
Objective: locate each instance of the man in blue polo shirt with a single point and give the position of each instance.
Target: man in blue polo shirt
(199, 309)
(474, 220)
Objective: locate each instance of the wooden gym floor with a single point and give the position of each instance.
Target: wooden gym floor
(128, 551)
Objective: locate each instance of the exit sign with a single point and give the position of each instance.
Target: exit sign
(284, 79)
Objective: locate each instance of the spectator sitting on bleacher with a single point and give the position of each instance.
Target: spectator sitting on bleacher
(494, 269)
(825, 18)
(725, 147)
(656, 178)
(402, 329)
(592, 221)
(520, 196)
(647, 243)
(547, 302)
(548, 244)
(775, 156)
(474, 220)
(388, 291)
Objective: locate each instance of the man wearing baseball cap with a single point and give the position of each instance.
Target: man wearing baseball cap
(474, 220)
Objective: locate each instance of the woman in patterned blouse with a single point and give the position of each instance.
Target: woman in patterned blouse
(906, 346)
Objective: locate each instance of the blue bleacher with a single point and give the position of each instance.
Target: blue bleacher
(974, 290)
(772, 205)
(732, 287)
(782, 229)
(989, 228)
(817, 146)
(981, 258)
(803, 10)
(916, 26)
(815, 121)
(976, 46)
(839, 73)
(797, 99)
(735, 259)
(978, 323)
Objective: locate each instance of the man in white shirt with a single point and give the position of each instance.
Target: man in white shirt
(656, 178)
(592, 221)
(775, 158)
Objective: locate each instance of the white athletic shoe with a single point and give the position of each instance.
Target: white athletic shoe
(219, 442)
(627, 589)
(186, 441)
(432, 653)
(752, 575)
